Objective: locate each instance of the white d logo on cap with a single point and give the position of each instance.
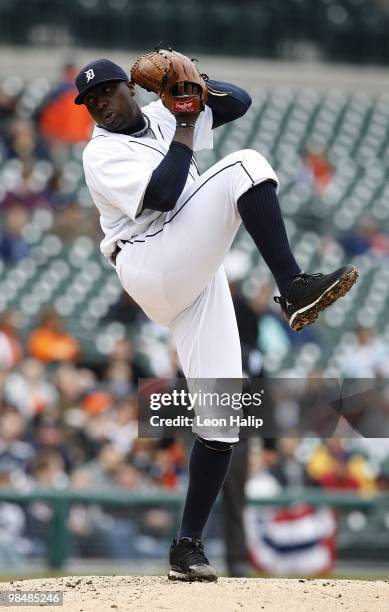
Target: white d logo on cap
(89, 75)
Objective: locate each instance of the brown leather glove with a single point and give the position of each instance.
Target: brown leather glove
(174, 78)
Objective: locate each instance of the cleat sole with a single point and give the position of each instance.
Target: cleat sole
(182, 577)
(308, 315)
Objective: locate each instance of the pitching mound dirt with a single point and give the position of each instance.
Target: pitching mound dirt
(152, 593)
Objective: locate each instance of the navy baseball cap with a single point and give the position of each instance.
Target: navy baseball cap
(95, 73)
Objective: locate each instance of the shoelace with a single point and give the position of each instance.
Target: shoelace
(279, 299)
(196, 549)
(306, 277)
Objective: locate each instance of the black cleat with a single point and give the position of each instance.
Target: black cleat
(189, 563)
(309, 294)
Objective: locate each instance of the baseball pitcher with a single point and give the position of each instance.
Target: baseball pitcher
(167, 230)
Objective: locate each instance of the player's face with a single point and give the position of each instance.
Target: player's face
(112, 105)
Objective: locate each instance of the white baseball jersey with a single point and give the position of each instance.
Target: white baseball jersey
(172, 264)
(118, 169)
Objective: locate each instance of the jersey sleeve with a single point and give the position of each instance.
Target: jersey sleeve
(258, 169)
(117, 175)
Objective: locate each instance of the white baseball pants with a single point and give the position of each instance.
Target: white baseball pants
(175, 272)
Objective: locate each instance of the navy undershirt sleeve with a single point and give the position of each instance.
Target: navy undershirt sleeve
(230, 107)
(168, 179)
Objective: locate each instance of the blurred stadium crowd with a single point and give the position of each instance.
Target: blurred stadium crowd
(70, 360)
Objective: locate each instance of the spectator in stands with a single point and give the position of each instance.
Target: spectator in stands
(97, 402)
(358, 241)
(15, 453)
(103, 469)
(177, 454)
(288, 470)
(272, 332)
(29, 390)
(50, 440)
(123, 426)
(13, 545)
(28, 191)
(72, 384)
(360, 469)
(11, 347)
(119, 378)
(320, 461)
(47, 472)
(122, 352)
(366, 238)
(48, 469)
(368, 358)
(383, 476)
(13, 247)
(127, 477)
(96, 407)
(141, 454)
(55, 193)
(23, 142)
(125, 310)
(316, 168)
(332, 465)
(50, 342)
(71, 219)
(339, 477)
(163, 469)
(8, 102)
(59, 121)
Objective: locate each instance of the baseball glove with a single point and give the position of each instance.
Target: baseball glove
(174, 78)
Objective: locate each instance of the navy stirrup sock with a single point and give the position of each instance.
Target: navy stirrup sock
(207, 471)
(262, 217)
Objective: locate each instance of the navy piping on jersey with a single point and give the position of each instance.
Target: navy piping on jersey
(163, 154)
(249, 175)
(157, 150)
(148, 146)
(160, 131)
(190, 197)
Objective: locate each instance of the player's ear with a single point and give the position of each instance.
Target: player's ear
(131, 87)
